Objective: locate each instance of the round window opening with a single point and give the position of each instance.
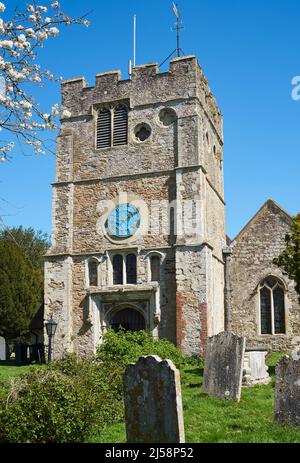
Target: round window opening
(167, 116)
(142, 132)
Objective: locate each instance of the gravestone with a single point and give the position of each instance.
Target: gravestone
(2, 348)
(287, 390)
(255, 370)
(223, 367)
(153, 404)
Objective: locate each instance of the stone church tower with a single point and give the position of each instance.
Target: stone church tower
(138, 210)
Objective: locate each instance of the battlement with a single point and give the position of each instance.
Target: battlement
(147, 86)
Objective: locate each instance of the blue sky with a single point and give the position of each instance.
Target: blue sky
(249, 51)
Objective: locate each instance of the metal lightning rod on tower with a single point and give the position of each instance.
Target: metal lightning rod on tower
(178, 27)
(134, 48)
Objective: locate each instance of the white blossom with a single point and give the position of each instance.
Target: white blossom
(25, 104)
(16, 75)
(30, 33)
(35, 78)
(55, 110)
(22, 38)
(6, 44)
(42, 35)
(53, 32)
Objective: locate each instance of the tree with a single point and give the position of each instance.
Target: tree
(34, 244)
(289, 259)
(21, 37)
(20, 292)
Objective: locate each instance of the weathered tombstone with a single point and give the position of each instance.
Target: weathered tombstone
(223, 367)
(153, 405)
(2, 348)
(287, 390)
(255, 370)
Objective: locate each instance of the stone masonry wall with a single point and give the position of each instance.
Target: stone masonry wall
(81, 316)
(58, 302)
(182, 161)
(191, 298)
(252, 260)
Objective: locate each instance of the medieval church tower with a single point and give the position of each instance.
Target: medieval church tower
(138, 209)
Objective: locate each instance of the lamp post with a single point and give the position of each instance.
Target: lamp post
(51, 326)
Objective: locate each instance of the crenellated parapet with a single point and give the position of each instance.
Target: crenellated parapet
(184, 80)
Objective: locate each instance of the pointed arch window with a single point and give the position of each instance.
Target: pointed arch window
(272, 306)
(93, 272)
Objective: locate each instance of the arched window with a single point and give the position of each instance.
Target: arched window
(155, 268)
(272, 307)
(93, 273)
(118, 270)
(131, 276)
(104, 129)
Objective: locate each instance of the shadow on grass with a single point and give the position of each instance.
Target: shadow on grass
(271, 370)
(191, 385)
(8, 363)
(195, 371)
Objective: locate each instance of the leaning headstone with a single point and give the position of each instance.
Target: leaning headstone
(255, 370)
(153, 404)
(287, 390)
(223, 369)
(2, 348)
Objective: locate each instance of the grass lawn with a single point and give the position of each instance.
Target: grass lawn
(8, 370)
(209, 420)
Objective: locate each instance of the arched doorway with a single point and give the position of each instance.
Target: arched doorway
(128, 319)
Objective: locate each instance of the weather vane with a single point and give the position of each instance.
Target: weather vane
(178, 27)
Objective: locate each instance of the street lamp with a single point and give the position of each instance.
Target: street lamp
(51, 326)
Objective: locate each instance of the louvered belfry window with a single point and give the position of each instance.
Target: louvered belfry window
(112, 127)
(120, 125)
(104, 129)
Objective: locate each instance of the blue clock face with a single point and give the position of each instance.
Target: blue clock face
(123, 221)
